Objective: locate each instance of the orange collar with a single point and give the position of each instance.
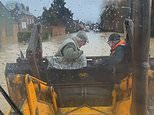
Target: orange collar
(120, 43)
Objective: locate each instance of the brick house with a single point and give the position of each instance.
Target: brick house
(8, 27)
(22, 15)
(57, 30)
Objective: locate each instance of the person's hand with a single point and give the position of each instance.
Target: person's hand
(104, 62)
(98, 61)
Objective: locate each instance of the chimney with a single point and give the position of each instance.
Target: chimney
(27, 8)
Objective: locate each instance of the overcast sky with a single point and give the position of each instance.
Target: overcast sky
(85, 10)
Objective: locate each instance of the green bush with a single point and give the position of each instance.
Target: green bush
(70, 29)
(23, 36)
(45, 36)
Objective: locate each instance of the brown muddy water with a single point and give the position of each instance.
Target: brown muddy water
(97, 46)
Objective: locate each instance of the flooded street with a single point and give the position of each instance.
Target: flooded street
(112, 74)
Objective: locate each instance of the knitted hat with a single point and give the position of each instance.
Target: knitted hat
(114, 37)
(82, 35)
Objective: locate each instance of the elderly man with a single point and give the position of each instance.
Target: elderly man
(69, 55)
(117, 55)
(117, 49)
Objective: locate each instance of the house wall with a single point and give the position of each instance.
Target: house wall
(25, 21)
(7, 27)
(15, 32)
(7, 36)
(57, 30)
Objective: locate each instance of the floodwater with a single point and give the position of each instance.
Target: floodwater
(97, 46)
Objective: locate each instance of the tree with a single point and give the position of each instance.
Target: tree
(113, 16)
(57, 14)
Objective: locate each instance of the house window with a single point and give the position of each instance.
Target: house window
(23, 25)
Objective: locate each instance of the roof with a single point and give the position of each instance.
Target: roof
(22, 9)
(4, 11)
